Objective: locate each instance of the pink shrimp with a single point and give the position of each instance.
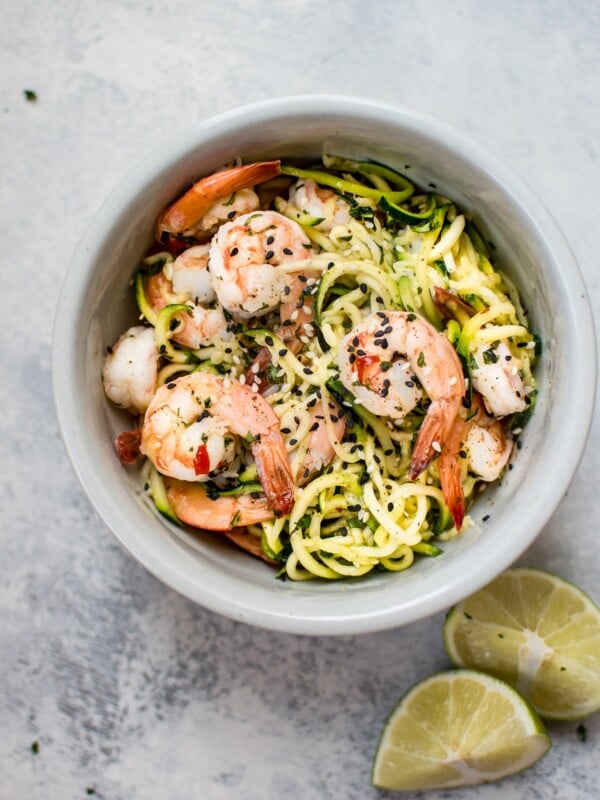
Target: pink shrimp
(380, 360)
(185, 215)
(187, 433)
(187, 281)
(484, 445)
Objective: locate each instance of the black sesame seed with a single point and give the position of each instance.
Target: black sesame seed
(288, 252)
(301, 278)
(231, 215)
(269, 255)
(171, 385)
(352, 358)
(363, 287)
(286, 430)
(293, 442)
(410, 384)
(234, 251)
(287, 289)
(462, 453)
(282, 352)
(269, 341)
(307, 371)
(314, 426)
(356, 341)
(485, 519)
(270, 240)
(390, 506)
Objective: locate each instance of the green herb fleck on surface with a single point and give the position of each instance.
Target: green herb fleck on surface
(30, 95)
(581, 732)
(421, 360)
(35, 747)
(90, 790)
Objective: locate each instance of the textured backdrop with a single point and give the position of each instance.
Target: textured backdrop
(112, 685)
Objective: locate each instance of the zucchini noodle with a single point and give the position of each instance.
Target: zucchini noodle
(377, 246)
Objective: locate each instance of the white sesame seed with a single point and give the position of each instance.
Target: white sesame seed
(236, 360)
(306, 309)
(452, 380)
(517, 431)
(242, 379)
(530, 346)
(294, 315)
(255, 387)
(437, 447)
(255, 368)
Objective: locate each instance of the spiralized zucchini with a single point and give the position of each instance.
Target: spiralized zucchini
(361, 512)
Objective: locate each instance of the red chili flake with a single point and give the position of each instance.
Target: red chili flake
(202, 461)
(127, 445)
(362, 365)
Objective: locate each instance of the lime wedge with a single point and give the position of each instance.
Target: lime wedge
(457, 728)
(538, 633)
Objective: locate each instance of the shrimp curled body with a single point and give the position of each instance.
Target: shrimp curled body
(245, 259)
(187, 281)
(379, 362)
(202, 205)
(190, 427)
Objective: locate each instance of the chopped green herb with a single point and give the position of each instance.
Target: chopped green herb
(421, 360)
(30, 95)
(235, 519)
(489, 356)
(35, 747)
(581, 732)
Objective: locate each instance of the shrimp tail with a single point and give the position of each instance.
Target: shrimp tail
(189, 209)
(274, 471)
(452, 488)
(430, 440)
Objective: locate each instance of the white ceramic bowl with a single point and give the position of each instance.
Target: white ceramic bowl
(96, 306)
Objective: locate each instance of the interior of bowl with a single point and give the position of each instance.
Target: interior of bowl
(96, 306)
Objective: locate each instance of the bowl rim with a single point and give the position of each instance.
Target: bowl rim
(582, 370)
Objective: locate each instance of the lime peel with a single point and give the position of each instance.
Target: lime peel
(537, 632)
(457, 728)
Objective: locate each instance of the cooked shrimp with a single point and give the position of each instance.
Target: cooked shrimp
(245, 256)
(187, 280)
(318, 450)
(385, 358)
(488, 446)
(485, 447)
(496, 376)
(319, 202)
(130, 369)
(193, 505)
(209, 198)
(190, 425)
